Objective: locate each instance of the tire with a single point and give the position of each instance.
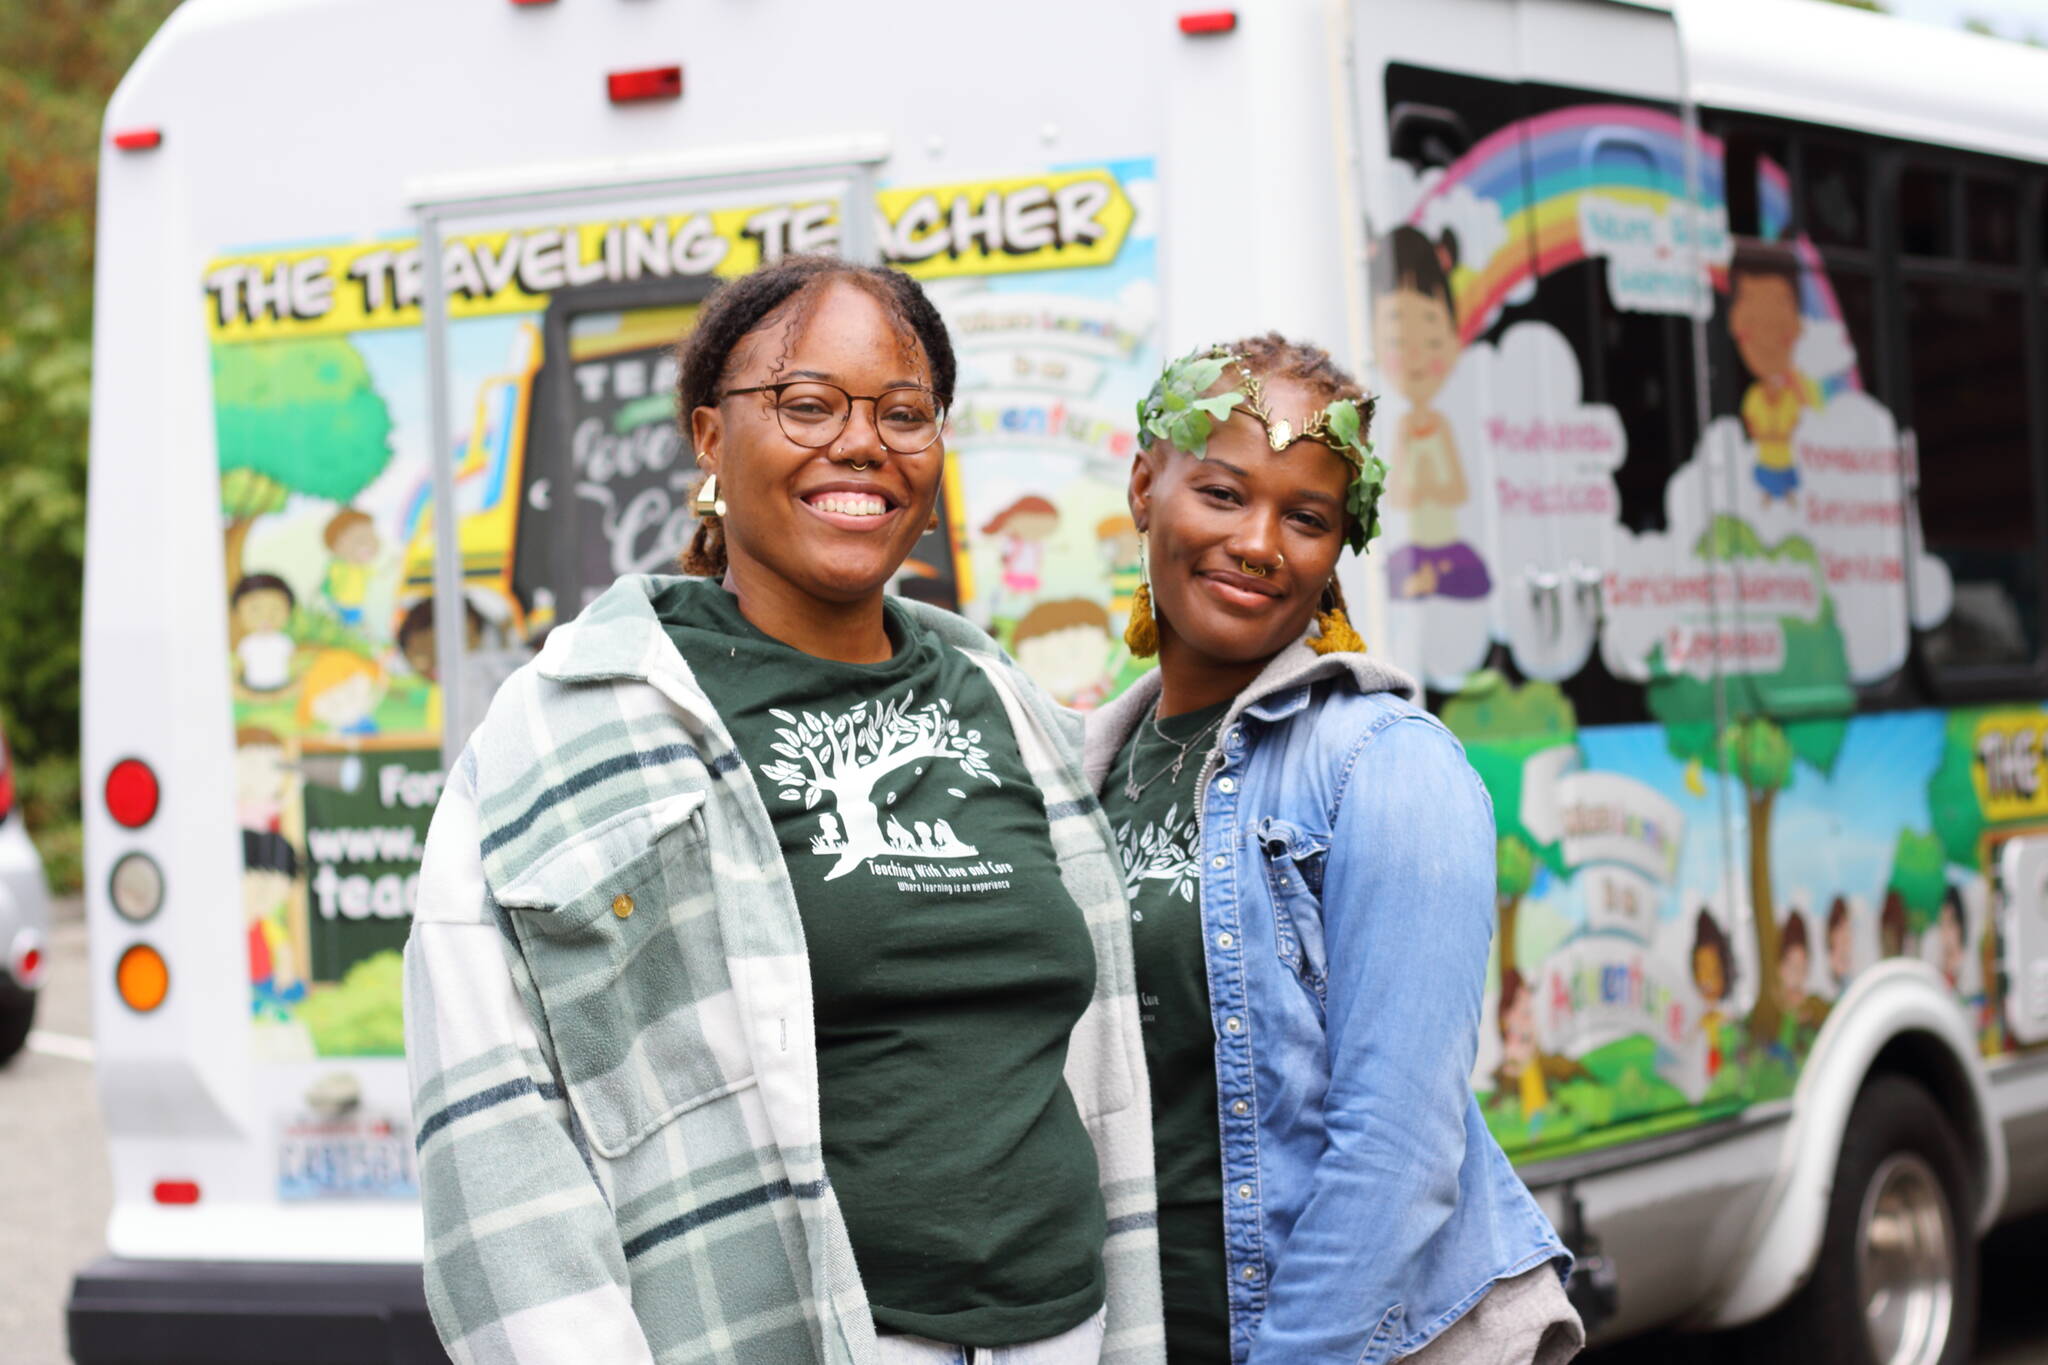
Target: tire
(1903, 1170)
(17, 1013)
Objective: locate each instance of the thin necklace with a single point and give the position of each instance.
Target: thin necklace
(1133, 788)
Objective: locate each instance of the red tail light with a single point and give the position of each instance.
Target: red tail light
(655, 83)
(139, 139)
(1209, 21)
(177, 1191)
(132, 793)
(31, 965)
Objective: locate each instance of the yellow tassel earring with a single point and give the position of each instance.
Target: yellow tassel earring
(1337, 635)
(1141, 631)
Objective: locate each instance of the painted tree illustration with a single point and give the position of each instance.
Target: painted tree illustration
(1756, 750)
(847, 755)
(1502, 727)
(293, 417)
(1762, 756)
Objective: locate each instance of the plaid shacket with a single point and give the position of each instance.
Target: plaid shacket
(609, 1027)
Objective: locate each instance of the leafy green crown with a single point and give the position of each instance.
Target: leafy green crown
(1180, 410)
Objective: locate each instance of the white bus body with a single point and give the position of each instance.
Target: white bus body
(1738, 621)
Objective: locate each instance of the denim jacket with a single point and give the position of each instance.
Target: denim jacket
(1347, 909)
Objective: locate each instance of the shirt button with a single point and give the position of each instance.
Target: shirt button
(1219, 861)
(622, 905)
(1233, 1025)
(1250, 1272)
(1226, 785)
(1224, 940)
(1244, 1191)
(1240, 1108)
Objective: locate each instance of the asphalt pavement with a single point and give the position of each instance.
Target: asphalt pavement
(54, 1199)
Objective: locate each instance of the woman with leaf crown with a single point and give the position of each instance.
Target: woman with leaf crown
(1310, 864)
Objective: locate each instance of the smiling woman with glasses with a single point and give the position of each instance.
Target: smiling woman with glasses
(770, 993)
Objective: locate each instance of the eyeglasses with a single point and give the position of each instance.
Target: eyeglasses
(812, 413)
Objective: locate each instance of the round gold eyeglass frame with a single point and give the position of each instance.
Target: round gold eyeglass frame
(808, 437)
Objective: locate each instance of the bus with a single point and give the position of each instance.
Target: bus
(1710, 343)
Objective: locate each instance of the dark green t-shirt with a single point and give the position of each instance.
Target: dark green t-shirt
(1163, 877)
(948, 967)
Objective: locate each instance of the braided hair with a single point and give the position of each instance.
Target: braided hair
(790, 287)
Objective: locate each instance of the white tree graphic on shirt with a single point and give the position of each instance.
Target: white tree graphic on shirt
(847, 755)
(1164, 852)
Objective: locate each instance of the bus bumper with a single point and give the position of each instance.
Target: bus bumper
(125, 1312)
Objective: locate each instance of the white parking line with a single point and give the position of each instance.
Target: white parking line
(60, 1045)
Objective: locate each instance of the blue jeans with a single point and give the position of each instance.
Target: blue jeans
(1079, 1346)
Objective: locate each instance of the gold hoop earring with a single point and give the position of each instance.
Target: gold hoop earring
(707, 503)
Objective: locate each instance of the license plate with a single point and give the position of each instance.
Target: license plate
(367, 1157)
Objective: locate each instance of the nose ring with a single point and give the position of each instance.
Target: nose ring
(861, 465)
(1255, 570)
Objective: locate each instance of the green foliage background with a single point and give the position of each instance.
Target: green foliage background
(59, 63)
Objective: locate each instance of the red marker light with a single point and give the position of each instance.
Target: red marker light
(655, 83)
(131, 793)
(1209, 21)
(31, 965)
(139, 139)
(177, 1191)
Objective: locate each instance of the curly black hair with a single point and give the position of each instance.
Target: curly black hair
(743, 306)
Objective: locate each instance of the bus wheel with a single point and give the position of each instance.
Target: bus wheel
(1896, 1279)
(17, 1012)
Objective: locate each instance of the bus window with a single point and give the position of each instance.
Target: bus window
(1835, 194)
(1965, 345)
(1748, 157)
(1991, 220)
(1926, 212)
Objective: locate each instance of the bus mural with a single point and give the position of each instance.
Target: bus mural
(567, 475)
(1643, 979)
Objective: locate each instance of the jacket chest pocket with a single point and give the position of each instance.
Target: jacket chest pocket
(1294, 879)
(619, 928)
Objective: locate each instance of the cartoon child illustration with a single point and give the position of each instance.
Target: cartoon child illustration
(1841, 944)
(260, 608)
(1713, 972)
(1891, 925)
(1118, 542)
(1990, 1014)
(1415, 334)
(1521, 1063)
(1950, 932)
(1764, 320)
(262, 777)
(1804, 1013)
(1526, 1071)
(269, 866)
(1065, 646)
(352, 539)
(1025, 526)
(340, 693)
(416, 637)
